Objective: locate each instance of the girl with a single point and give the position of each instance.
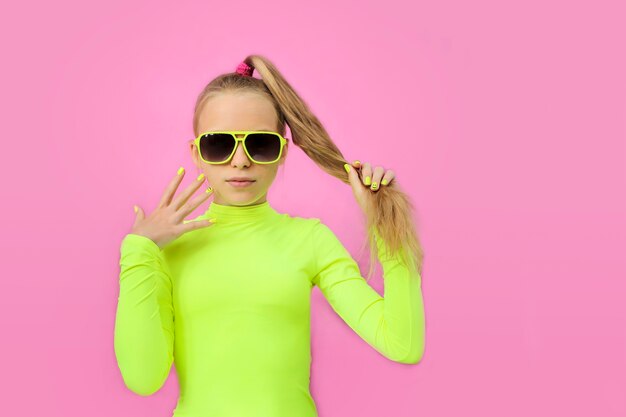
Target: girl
(226, 296)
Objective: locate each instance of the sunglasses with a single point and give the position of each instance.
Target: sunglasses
(219, 147)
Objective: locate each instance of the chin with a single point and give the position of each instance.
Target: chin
(241, 198)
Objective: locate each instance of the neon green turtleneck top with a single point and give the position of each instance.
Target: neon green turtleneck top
(229, 304)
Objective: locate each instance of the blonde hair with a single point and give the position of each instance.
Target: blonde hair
(388, 211)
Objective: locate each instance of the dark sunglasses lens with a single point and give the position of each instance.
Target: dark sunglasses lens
(263, 147)
(216, 147)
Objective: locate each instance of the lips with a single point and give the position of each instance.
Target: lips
(240, 179)
(240, 184)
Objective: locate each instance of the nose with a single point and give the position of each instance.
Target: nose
(240, 158)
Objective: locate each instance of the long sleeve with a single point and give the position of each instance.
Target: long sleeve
(144, 323)
(393, 325)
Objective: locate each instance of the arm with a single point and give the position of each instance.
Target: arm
(144, 323)
(393, 325)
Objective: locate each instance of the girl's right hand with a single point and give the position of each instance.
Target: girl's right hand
(165, 223)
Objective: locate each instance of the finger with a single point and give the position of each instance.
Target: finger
(169, 192)
(376, 177)
(187, 192)
(357, 164)
(353, 177)
(197, 224)
(139, 215)
(389, 175)
(190, 206)
(366, 173)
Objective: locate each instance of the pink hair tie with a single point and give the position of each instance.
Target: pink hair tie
(244, 69)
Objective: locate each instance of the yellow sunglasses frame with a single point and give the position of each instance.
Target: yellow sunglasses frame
(245, 133)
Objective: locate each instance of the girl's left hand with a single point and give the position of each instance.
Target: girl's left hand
(370, 179)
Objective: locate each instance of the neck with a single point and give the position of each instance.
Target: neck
(240, 214)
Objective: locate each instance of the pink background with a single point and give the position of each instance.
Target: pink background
(504, 121)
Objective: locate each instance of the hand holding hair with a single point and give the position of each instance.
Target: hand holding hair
(362, 177)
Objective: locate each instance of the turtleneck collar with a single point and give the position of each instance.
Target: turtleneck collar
(238, 214)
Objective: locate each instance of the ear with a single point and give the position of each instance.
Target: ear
(194, 153)
(284, 155)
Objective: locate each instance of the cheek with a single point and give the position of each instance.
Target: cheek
(212, 176)
(269, 175)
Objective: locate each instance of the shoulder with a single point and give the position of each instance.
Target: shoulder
(300, 222)
(320, 233)
(310, 229)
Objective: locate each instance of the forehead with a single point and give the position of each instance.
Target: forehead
(237, 111)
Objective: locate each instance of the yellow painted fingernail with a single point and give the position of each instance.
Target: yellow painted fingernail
(136, 209)
(368, 180)
(357, 162)
(374, 186)
(208, 190)
(200, 177)
(180, 170)
(347, 167)
(384, 182)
